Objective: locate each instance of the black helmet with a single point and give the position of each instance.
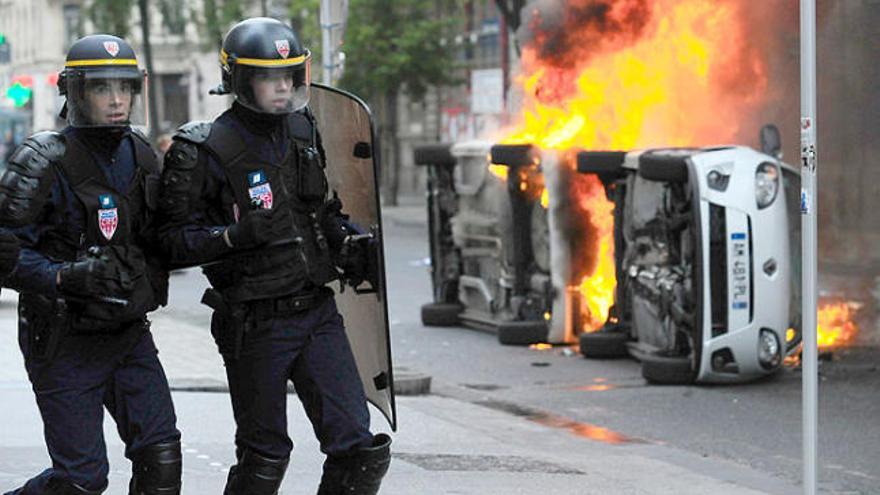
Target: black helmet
(264, 49)
(101, 64)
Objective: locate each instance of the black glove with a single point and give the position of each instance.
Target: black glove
(359, 261)
(101, 273)
(254, 228)
(9, 249)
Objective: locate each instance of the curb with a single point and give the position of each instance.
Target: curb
(406, 382)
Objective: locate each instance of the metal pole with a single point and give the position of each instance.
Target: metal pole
(809, 203)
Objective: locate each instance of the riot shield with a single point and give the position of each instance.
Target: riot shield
(346, 129)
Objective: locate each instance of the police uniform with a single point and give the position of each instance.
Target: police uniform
(88, 195)
(274, 318)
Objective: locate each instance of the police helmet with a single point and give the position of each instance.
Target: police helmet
(264, 65)
(102, 83)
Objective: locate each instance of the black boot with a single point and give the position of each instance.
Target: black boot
(58, 486)
(156, 470)
(360, 473)
(255, 475)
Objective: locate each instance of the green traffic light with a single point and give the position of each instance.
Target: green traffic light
(19, 94)
(2, 39)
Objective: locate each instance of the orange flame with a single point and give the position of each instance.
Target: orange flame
(836, 325)
(686, 76)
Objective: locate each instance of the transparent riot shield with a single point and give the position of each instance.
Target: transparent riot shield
(346, 128)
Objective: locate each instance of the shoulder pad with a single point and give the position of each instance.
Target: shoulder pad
(195, 132)
(50, 144)
(138, 134)
(28, 178)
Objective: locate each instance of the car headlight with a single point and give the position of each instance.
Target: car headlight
(766, 184)
(769, 355)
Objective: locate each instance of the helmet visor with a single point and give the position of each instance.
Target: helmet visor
(106, 98)
(273, 90)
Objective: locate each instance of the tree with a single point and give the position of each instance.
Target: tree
(111, 16)
(215, 18)
(394, 46)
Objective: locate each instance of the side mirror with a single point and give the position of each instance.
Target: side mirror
(771, 143)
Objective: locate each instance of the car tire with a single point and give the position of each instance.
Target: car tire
(522, 332)
(660, 369)
(440, 314)
(434, 154)
(513, 155)
(606, 164)
(662, 168)
(610, 344)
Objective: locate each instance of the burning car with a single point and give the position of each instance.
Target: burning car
(694, 272)
(709, 272)
(490, 257)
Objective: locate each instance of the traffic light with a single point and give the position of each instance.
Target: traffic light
(21, 90)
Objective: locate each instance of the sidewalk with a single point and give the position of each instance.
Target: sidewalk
(452, 442)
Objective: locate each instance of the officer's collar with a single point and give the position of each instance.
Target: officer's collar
(104, 140)
(257, 122)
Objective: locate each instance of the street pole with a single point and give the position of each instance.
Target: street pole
(334, 14)
(327, 48)
(152, 104)
(809, 203)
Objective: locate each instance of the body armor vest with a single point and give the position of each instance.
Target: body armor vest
(295, 186)
(112, 218)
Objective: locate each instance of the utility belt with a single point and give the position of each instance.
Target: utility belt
(49, 321)
(232, 320)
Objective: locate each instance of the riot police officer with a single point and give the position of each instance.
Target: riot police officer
(88, 273)
(248, 193)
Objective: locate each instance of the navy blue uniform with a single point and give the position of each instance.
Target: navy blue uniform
(280, 343)
(118, 369)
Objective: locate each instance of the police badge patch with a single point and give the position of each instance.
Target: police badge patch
(108, 216)
(283, 48)
(259, 190)
(112, 47)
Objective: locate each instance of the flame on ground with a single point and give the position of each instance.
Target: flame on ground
(633, 74)
(836, 325)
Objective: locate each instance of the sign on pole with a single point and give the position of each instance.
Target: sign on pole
(809, 202)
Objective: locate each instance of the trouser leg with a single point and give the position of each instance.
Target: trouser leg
(258, 390)
(139, 400)
(327, 381)
(69, 389)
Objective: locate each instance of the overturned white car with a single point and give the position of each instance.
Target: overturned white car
(706, 255)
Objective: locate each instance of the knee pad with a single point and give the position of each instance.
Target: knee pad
(156, 470)
(255, 475)
(359, 473)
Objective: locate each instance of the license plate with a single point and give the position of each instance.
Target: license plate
(739, 278)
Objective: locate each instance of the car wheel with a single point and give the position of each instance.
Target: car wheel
(440, 314)
(660, 369)
(663, 168)
(609, 344)
(513, 155)
(605, 164)
(434, 154)
(522, 332)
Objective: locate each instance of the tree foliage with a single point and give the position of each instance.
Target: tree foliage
(111, 16)
(215, 18)
(393, 45)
